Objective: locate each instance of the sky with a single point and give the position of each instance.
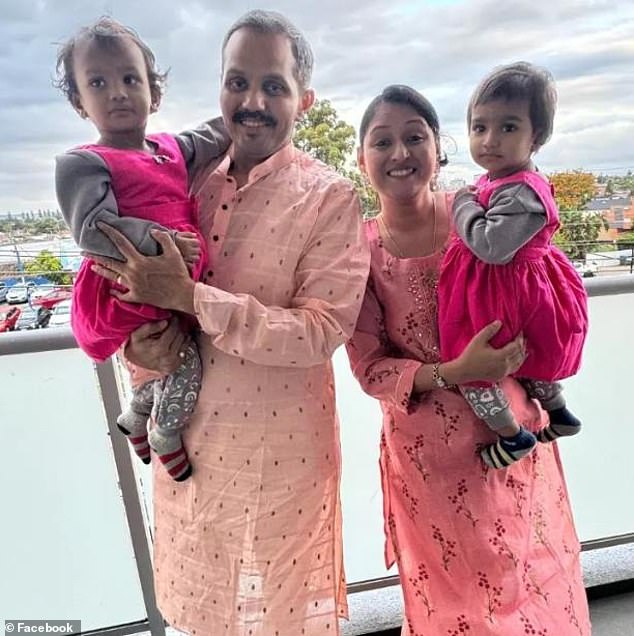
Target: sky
(440, 47)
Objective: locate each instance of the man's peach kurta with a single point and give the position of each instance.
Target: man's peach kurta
(251, 544)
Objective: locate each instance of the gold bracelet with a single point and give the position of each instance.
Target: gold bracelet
(437, 379)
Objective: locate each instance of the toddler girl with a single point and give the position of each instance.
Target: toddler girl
(135, 183)
(502, 265)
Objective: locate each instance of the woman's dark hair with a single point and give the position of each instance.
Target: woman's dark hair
(406, 96)
(521, 81)
(105, 32)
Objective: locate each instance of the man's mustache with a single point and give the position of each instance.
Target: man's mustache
(256, 115)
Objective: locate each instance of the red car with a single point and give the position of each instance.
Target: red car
(53, 297)
(8, 318)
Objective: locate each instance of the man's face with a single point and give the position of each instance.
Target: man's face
(260, 97)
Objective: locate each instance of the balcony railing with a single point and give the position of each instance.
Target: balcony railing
(75, 542)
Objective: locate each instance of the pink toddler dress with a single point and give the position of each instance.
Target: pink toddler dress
(538, 293)
(150, 187)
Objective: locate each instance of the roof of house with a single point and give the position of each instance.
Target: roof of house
(605, 203)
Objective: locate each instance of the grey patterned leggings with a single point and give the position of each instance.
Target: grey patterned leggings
(170, 400)
(491, 405)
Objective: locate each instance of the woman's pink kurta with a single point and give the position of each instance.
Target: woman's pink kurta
(480, 552)
(250, 545)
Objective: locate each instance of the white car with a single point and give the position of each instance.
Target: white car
(61, 314)
(19, 293)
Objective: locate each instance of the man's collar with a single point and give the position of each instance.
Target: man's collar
(273, 163)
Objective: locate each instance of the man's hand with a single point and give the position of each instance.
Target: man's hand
(162, 281)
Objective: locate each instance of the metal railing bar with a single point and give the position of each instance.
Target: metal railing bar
(607, 542)
(36, 341)
(372, 584)
(17, 342)
(130, 495)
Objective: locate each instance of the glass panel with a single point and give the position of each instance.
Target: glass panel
(65, 549)
(360, 421)
(598, 461)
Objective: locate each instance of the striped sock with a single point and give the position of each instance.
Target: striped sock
(177, 464)
(171, 453)
(137, 439)
(562, 424)
(507, 450)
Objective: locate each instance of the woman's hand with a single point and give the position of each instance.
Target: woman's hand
(480, 361)
(162, 281)
(156, 346)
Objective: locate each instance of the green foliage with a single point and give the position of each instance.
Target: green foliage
(31, 223)
(326, 137)
(578, 233)
(625, 239)
(46, 264)
(323, 135)
(367, 194)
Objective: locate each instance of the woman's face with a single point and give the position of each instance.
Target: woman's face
(399, 154)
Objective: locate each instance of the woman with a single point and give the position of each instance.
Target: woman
(479, 551)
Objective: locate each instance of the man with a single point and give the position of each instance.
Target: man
(250, 545)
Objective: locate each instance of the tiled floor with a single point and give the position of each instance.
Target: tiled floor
(613, 615)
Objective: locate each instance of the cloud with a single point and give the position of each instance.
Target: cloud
(441, 47)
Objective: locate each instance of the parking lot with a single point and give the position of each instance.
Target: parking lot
(46, 306)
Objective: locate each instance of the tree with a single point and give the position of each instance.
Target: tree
(47, 225)
(573, 189)
(326, 137)
(578, 232)
(46, 264)
(367, 194)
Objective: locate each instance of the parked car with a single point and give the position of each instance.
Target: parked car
(40, 291)
(9, 318)
(52, 297)
(3, 292)
(19, 293)
(586, 270)
(60, 314)
(32, 318)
